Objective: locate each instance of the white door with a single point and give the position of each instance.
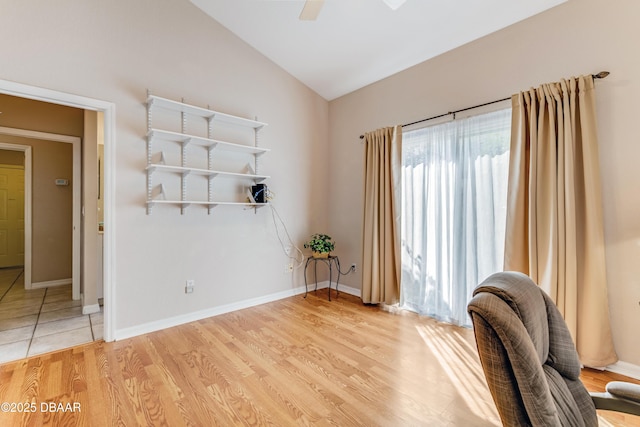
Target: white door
(11, 216)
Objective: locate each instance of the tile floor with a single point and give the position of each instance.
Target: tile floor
(40, 320)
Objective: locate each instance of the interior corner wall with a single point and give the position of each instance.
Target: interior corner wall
(115, 51)
(578, 37)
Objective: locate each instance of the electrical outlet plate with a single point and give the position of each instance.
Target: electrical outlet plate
(353, 267)
(288, 268)
(188, 289)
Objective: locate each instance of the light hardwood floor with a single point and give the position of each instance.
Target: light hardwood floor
(291, 362)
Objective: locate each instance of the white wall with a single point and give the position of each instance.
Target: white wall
(115, 51)
(578, 37)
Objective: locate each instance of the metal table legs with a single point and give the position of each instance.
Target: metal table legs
(330, 261)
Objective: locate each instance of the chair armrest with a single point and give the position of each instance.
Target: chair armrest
(620, 397)
(623, 390)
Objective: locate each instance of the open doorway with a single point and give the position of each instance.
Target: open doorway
(51, 242)
(41, 308)
(102, 275)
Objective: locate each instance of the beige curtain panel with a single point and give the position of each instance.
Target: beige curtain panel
(554, 210)
(381, 229)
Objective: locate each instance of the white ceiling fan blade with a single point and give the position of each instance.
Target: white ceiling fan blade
(394, 4)
(311, 10)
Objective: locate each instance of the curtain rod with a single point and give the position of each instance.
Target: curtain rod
(600, 75)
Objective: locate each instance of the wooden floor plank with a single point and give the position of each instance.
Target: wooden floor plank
(296, 361)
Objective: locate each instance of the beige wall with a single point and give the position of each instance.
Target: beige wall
(10, 157)
(578, 37)
(115, 51)
(21, 113)
(100, 141)
(90, 262)
(52, 208)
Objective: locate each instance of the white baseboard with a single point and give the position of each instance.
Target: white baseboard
(157, 325)
(203, 314)
(90, 309)
(50, 283)
(624, 368)
(342, 288)
(349, 290)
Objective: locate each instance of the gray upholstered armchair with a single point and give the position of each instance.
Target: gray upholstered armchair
(529, 359)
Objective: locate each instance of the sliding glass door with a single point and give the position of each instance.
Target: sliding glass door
(453, 212)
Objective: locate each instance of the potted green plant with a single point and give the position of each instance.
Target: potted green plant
(320, 245)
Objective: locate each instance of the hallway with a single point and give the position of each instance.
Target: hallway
(41, 320)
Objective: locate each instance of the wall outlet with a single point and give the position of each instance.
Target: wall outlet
(288, 268)
(353, 267)
(188, 289)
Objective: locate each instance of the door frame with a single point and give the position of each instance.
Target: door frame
(28, 200)
(109, 110)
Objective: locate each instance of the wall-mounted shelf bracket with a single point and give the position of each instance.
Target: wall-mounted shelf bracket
(157, 194)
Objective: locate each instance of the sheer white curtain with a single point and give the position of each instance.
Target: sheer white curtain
(454, 188)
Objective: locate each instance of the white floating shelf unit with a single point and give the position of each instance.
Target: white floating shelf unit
(204, 142)
(205, 113)
(206, 172)
(214, 120)
(185, 203)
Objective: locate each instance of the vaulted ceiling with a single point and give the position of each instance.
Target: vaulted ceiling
(353, 43)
